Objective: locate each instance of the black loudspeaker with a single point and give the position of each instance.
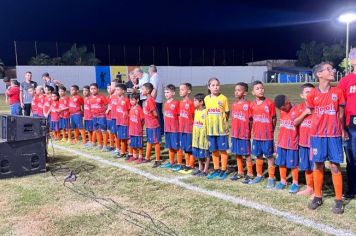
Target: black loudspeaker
(22, 157)
(19, 128)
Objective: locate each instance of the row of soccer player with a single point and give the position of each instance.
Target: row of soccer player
(199, 128)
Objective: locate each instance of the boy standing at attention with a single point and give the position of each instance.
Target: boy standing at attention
(263, 125)
(171, 125)
(76, 103)
(152, 125)
(303, 122)
(287, 143)
(88, 118)
(64, 121)
(327, 131)
(241, 132)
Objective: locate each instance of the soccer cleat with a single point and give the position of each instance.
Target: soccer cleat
(247, 179)
(168, 165)
(256, 180)
(132, 159)
(214, 174)
(294, 188)
(63, 140)
(271, 182)
(315, 203)
(127, 157)
(156, 164)
(202, 174)
(280, 186)
(236, 177)
(106, 149)
(99, 147)
(178, 168)
(146, 160)
(139, 161)
(223, 174)
(185, 170)
(196, 172)
(338, 207)
(188, 171)
(88, 145)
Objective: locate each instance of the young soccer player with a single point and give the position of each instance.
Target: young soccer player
(287, 143)
(200, 137)
(186, 119)
(64, 116)
(217, 106)
(98, 104)
(303, 122)
(13, 96)
(112, 110)
(47, 100)
(37, 102)
(122, 118)
(76, 103)
(54, 112)
(136, 128)
(241, 132)
(263, 125)
(327, 130)
(171, 125)
(109, 120)
(152, 125)
(88, 119)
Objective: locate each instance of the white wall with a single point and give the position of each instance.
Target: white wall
(196, 75)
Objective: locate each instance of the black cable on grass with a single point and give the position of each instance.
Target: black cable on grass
(140, 219)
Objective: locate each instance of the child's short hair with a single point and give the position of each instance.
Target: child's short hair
(76, 87)
(306, 85)
(56, 93)
(200, 97)
(244, 85)
(94, 85)
(170, 87)
(280, 100)
(86, 87)
(14, 82)
(135, 96)
(148, 86)
(62, 87)
(188, 85)
(256, 82)
(50, 88)
(121, 86)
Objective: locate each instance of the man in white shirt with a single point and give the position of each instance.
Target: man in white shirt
(142, 79)
(157, 93)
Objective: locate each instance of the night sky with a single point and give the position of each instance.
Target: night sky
(254, 29)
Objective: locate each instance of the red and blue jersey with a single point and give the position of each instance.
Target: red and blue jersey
(325, 107)
(87, 113)
(64, 104)
(171, 116)
(98, 105)
(240, 116)
(47, 101)
(54, 111)
(288, 136)
(305, 126)
(112, 105)
(186, 116)
(149, 108)
(136, 121)
(262, 116)
(75, 104)
(122, 111)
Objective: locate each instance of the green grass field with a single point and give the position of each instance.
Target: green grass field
(106, 200)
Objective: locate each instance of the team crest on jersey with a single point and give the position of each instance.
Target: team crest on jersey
(203, 116)
(123, 103)
(334, 97)
(315, 151)
(266, 109)
(98, 100)
(136, 112)
(173, 106)
(186, 106)
(245, 107)
(220, 103)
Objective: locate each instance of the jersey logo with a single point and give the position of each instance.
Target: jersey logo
(186, 106)
(245, 107)
(220, 103)
(315, 151)
(123, 103)
(334, 97)
(353, 89)
(203, 116)
(98, 100)
(173, 106)
(266, 109)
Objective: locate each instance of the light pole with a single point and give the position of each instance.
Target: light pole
(347, 18)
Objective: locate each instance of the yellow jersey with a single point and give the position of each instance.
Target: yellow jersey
(200, 137)
(216, 119)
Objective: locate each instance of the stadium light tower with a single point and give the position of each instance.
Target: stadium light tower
(347, 18)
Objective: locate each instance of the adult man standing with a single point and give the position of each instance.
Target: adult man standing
(142, 79)
(48, 81)
(25, 96)
(157, 93)
(348, 85)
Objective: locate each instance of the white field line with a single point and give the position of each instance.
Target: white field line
(235, 200)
